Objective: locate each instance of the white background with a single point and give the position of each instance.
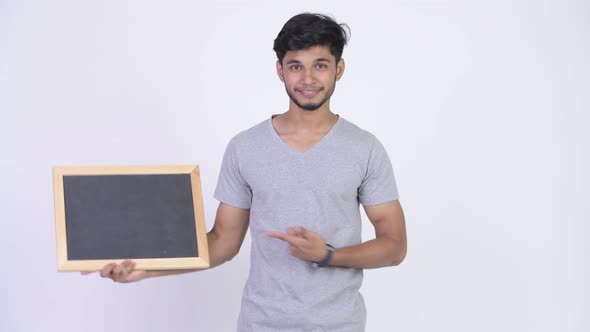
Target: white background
(482, 105)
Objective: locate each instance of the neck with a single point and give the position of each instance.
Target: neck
(318, 119)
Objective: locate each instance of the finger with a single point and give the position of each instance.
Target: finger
(125, 269)
(119, 271)
(129, 266)
(292, 240)
(291, 231)
(309, 235)
(136, 275)
(299, 231)
(304, 231)
(85, 273)
(107, 270)
(277, 235)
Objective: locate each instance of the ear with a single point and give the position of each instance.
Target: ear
(340, 69)
(280, 71)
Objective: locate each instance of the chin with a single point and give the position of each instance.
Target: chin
(310, 108)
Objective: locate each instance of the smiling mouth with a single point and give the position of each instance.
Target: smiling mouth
(308, 93)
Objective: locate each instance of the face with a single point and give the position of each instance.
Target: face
(310, 76)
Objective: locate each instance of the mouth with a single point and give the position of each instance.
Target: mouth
(308, 93)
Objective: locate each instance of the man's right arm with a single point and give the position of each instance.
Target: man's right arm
(224, 241)
(228, 232)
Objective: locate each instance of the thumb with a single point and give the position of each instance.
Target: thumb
(302, 231)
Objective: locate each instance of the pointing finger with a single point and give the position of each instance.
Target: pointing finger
(293, 240)
(277, 235)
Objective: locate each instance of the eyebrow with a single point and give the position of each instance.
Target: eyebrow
(298, 62)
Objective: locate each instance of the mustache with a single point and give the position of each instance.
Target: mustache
(308, 87)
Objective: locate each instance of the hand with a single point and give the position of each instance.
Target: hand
(303, 243)
(123, 273)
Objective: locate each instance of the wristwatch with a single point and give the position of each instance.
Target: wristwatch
(326, 261)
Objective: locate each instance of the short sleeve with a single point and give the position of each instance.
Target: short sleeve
(231, 188)
(378, 185)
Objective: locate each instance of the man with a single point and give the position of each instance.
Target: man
(296, 180)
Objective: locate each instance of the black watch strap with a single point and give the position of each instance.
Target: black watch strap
(326, 261)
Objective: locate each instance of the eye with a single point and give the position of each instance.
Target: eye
(321, 66)
(295, 67)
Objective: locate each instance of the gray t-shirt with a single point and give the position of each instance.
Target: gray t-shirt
(319, 189)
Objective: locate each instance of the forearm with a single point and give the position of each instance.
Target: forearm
(379, 252)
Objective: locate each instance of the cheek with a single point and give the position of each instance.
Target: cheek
(329, 80)
(290, 82)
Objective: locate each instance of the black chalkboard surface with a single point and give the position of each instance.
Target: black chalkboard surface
(150, 214)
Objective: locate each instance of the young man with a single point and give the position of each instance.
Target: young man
(296, 180)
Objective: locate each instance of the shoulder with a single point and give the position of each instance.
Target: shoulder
(352, 133)
(251, 135)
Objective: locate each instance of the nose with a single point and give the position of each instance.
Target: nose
(308, 76)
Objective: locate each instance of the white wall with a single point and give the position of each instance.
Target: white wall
(482, 106)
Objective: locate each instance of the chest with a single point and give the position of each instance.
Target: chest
(335, 175)
(301, 143)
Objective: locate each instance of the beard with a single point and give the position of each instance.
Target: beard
(310, 106)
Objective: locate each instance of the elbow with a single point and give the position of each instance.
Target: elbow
(397, 259)
(228, 253)
(398, 253)
(232, 253)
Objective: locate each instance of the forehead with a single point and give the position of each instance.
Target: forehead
(311, 54)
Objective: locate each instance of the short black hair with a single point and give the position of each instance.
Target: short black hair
(305, 30)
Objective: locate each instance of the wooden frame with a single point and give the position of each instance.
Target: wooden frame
(66, 264)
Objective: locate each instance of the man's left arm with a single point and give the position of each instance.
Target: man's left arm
(388, 248)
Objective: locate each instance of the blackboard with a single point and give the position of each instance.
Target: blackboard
(150, 214)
